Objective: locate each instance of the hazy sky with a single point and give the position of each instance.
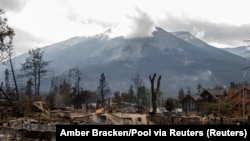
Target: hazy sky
(223, 23)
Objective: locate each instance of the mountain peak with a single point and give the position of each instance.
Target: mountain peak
(160, 32)
(159, 28)
(184, 34)
(187, 36)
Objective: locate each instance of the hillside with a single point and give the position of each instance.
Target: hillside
(182, 60)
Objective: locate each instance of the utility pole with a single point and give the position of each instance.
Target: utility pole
(243, 94)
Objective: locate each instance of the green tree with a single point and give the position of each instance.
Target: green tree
(220, 108)
(199, 87)
(232, 85)
(169, 104)
(181, 95)
(218, 87)
(188, 90)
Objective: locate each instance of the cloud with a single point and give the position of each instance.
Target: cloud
(124, 19)
(133, 25)
(12, 5)
(142, 25)
(198, 33)
(221, 33)
(23, 41)
(139, 22)
(129, 19)
(226, 34)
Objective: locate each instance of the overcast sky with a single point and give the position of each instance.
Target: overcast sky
(222, 23)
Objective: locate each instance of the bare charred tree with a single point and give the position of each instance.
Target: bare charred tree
(131, 94)
(153, 91)
(6, 47)
(29, 85)
(5, 95)
(145, 96)
(103, 89)
(10, 53)
(117, 97)
(35, 67)
(84, 97)
(63, 98)
(50, 100)
(76, 74)
(7, 80)
(138, 83)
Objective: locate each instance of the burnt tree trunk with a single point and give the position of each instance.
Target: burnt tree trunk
(153, 92)
(6, 97)
(14, 79)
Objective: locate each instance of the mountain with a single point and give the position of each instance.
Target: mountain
(242, 51)
(182, 60)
